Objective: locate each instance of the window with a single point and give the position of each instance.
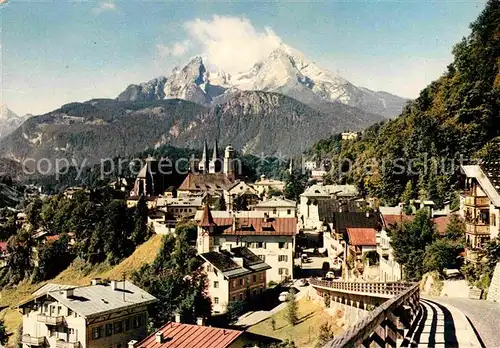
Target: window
(127, 324)
(137, 322)
(97, 332)
(71, 331)
(274, 211)
(216, 284)
(59, 308)
(69, 312)
(233, 298)
(118, 327)
(241, 297)
(216, 300)
(283, 271)
(262, 257)
(209, 268)
(493, 220)
(282, 245)
(241, 281)
(109, 329)
(45, 308)
(289, 211)
(254, 278)
(260, 244)
(282, 258)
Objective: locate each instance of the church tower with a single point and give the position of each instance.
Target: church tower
(203, 165)
(214, 165)
(206, 228)
(229, 169)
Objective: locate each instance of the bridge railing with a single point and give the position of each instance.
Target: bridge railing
(390, 288)
(385, 325)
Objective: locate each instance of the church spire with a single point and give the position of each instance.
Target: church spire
(203, 166)
(215, 155)
(214, 165)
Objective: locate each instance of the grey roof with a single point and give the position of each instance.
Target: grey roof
(100, 299)
(51, 287)
(488, 181)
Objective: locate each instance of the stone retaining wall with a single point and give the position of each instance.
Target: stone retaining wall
(494, 290)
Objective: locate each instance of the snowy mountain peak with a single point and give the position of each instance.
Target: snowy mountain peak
(285, 70)
(9, 120)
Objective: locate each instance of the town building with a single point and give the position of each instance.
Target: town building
(178, 335)
(155, 177)
(480, 203)
(3, 254)
(272, 239)
(349, 135)
(265, 186)
(104, 314)
(308, 206)
(277, 207)
(389, 269)
(234, 274)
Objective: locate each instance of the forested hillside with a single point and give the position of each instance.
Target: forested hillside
(456, 115)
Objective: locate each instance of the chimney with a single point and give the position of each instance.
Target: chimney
(96, 281)
(177, 317)
(131, 344)
(238, 261)
(68, 293)
(159, 337)
(200, 321)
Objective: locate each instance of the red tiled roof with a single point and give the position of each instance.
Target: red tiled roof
(257, 226)
(52, 238)
(207, 220)
(390, 219)
(178, 335)
(441, 223)
(362, 236)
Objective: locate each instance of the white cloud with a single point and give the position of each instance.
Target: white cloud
(232, 44)
(104, 6)
(177, 49)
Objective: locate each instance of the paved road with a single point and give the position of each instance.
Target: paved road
(484, 316)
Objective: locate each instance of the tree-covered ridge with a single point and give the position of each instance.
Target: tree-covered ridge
(458, 114)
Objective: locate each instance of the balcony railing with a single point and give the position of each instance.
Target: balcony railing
(64, 344)
(32, 340)
(363, 287)
(50, 320)
(472, 228)
(477, 201)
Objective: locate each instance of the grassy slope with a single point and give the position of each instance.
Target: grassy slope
(304, 334)
(74, 275)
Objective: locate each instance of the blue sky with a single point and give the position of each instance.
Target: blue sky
(54, 52)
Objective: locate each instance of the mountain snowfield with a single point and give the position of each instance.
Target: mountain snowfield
(9, 121)
(285, 71)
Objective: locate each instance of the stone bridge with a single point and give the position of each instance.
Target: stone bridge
(394, 315)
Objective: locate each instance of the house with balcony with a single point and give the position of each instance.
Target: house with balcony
(272, 239)
(103, 314)
(480, 203)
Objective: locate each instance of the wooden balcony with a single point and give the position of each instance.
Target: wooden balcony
(64, 344)
(481, 229)
(50, 320)
(477, 201)
(32, 340)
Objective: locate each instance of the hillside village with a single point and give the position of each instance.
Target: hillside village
(385, 236)
(242, 243)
